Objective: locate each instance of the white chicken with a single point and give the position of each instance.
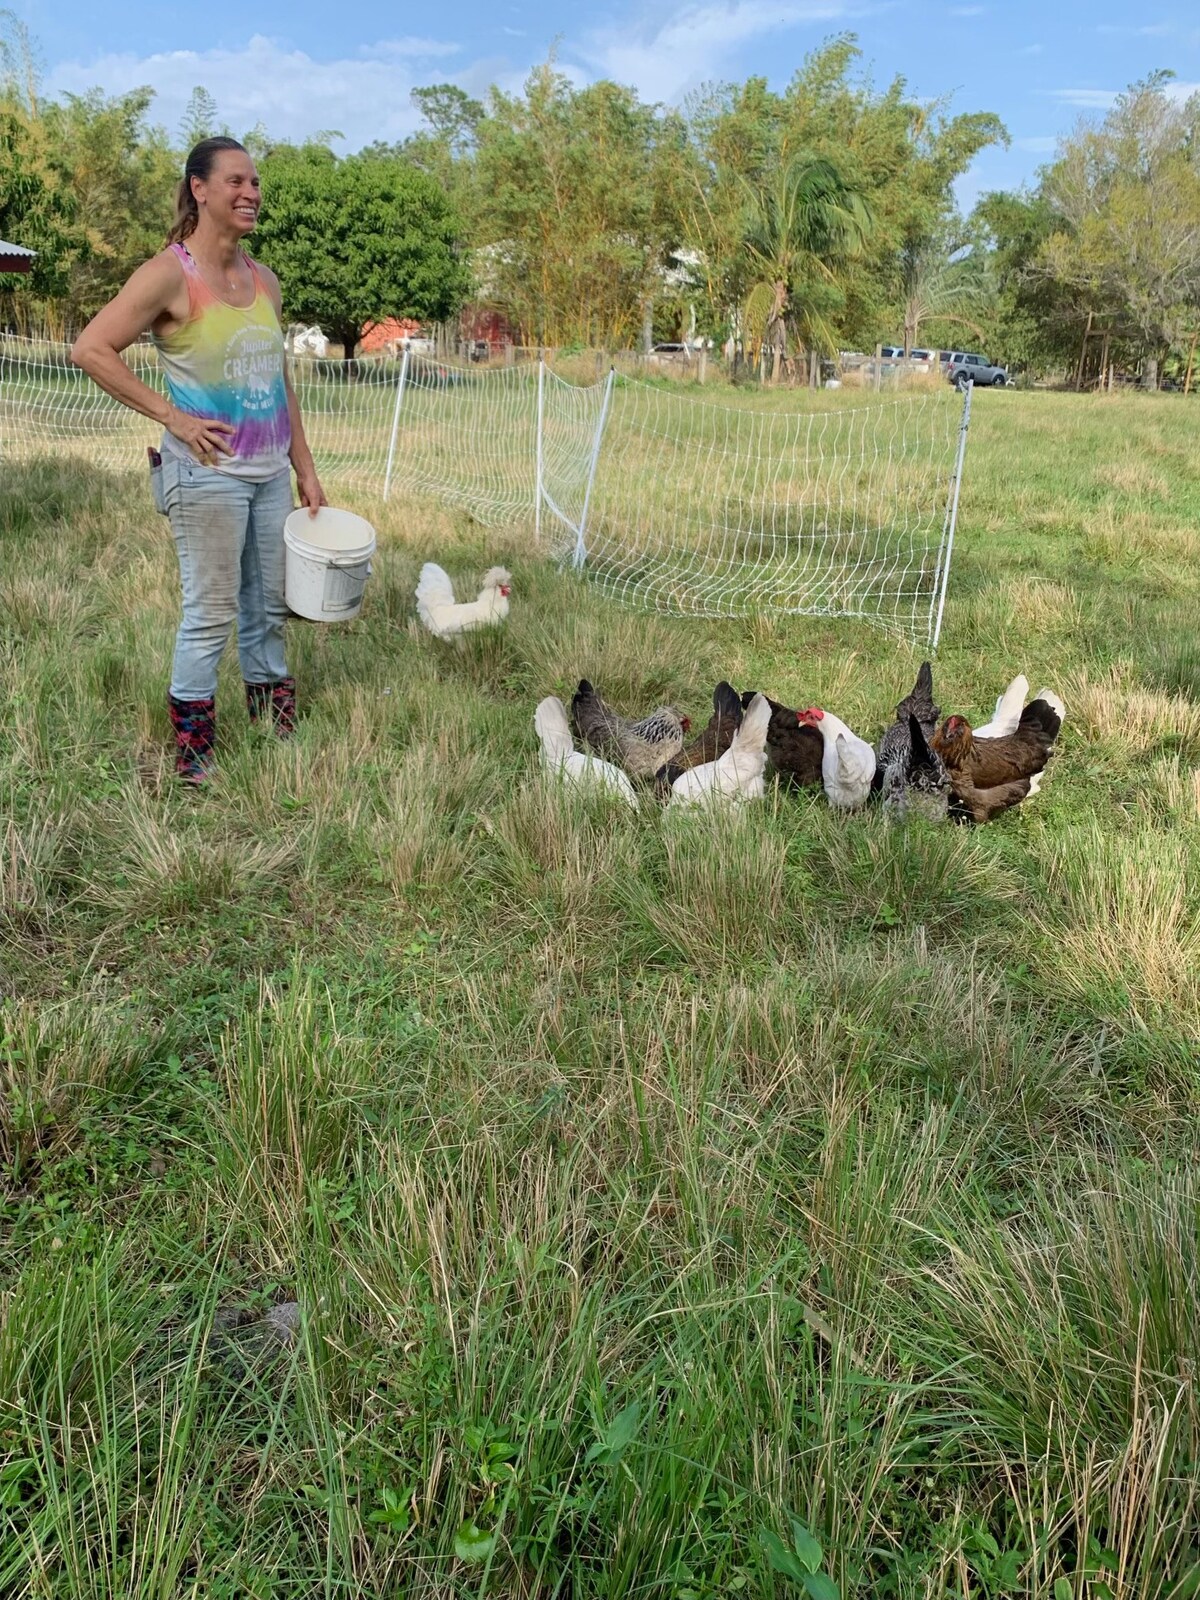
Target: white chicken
(738, 774)
(1008, 711)
(847, 763)
(563, 761)
(448, 619)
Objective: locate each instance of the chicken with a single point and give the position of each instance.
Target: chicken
(713, 740)
(736, 775)
(1008, 710)
(444, 617)
(642, 748)
(970, 804)
(848, 763)
(794, 752)
(560, 757)
(986, 775)
(924, 789)
(895, 746)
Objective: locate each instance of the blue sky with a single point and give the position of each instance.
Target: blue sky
(301, 67)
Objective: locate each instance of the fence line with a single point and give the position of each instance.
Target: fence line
(670, 500)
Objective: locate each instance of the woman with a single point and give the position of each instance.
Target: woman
(231, 424)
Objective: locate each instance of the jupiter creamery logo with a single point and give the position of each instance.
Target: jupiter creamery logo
(254, 367)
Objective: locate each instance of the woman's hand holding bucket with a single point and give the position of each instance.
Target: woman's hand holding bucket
(308, 486)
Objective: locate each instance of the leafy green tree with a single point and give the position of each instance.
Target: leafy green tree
(575, 222)
(37, 210)
(900, 156)
(800, 226)
(943, 283)
(1034, 322)
(122, 175)
(358, 240)
(199, 118)
(1126, 198)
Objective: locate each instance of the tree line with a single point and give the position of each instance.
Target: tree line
(796, 222)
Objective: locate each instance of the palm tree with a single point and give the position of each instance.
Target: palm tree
(938, 285)
(798, 229)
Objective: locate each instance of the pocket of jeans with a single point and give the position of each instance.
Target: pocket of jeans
(157, 488)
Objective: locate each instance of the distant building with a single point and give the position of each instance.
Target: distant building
(15, 257)
(388, 337)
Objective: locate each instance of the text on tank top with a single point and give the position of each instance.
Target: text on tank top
(226, 364)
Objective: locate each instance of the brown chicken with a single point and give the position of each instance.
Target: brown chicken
(713, 740)
(988, 776)
(794, 751)
(969, 804)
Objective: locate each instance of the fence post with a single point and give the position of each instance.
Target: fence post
(947, 549)
(580, 540)
(387, 477)
(541, 423)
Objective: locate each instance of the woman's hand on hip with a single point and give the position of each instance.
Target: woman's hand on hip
(203, 437)
(308, 486)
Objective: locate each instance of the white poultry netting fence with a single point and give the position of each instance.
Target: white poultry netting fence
(669, 501)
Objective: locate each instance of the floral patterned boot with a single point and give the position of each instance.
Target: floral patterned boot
(195, 724)
(276, 701)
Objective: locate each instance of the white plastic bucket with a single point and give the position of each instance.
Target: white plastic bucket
(327, 563)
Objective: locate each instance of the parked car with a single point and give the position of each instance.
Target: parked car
(964, 367)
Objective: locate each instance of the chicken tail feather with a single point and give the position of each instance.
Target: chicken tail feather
(752, 734)
(552, 728)
(1054, 702)
(727, 703)
(434, 587)
(1040, 717)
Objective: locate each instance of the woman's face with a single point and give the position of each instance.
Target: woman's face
(230, 195)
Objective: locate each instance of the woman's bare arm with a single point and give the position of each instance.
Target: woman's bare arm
(307, 482)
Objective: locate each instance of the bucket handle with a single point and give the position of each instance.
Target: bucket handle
(350, 566)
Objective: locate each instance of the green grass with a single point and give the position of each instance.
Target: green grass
(646, 1184)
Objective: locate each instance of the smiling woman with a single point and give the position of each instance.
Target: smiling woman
(231, 423)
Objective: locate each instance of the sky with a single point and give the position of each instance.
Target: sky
(299, 68)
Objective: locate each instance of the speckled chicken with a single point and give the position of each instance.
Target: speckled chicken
(924, 789)
(896, 754)
(641, 747)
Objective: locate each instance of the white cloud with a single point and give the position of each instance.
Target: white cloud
(1041, 145)
(1149, 30)
(1031, 50)
(365, 96)
(1085, 99)
(967, 11)
(665, 59)
(1103, 99)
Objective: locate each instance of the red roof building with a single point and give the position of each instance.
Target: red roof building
(384, 337)
(15, 257)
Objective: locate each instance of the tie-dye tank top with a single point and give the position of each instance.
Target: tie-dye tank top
(226, 363)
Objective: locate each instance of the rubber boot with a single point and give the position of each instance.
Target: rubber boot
(195, 724)
(276, 701)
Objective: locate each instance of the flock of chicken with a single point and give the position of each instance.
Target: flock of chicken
(951, 769)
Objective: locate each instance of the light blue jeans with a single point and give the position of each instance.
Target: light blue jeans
(229, 538)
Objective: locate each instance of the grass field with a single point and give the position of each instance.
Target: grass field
(673, 1208)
